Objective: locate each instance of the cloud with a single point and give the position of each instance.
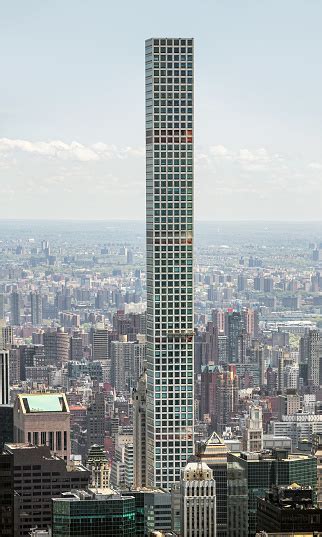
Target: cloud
(315, 166)
(103, 179)
(75, 151)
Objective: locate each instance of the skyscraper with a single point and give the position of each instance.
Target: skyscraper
(36, 308)
(169, 233)
(15, 303)
(251, 475)
(314, 358)
(35, 477)
(198, 501)
(4, 377)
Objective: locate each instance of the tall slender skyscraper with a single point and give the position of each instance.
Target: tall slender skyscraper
(169, 216)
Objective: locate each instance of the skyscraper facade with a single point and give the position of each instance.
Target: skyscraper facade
(169, 216)
(35, 308)
(4, 378)
(15, 303)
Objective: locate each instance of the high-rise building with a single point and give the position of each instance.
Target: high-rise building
(93, 514)
(6, 496)
(121, 352)
(43, 419)
(100, 342)
(253, 432)
(4, 377)
(219, 394)
(37, 477)
(139, 433)
(76, 347)
(56, 346)
(6, 336)
(317, 451)
(169, 233)
(95, 421)
(15, 304)
(314, 358)
(153, 511)
(99, 467)
(251, 475)
(36, 308)
(6, 425)
(198, 501)
(234, 326)
(289, 509)
(214, 453)
(2, 306)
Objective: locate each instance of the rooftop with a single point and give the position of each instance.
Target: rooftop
(43, 402)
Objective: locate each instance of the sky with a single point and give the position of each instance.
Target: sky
(72, 107)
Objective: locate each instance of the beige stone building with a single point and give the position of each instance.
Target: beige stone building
(43, 419)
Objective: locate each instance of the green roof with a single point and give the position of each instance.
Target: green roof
(44, 403)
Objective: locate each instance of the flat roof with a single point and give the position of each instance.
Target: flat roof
(43, 402)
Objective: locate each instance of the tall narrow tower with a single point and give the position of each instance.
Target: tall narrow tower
(169, 234)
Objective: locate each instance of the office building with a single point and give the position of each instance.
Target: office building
(213, 452)
(219, 394)
(6, 337)
(76, 347)
(288, 509)
(317, 452)
(93, 514)
(152, 511)
(198, 501)
(99, 467)
(251, 475)
(6, 425)
(169, 233)
(37, 477)
(6, 496)
(234, 326)
(100, 343)
(4, 377)
(43, 419)
(35, 308)
(95, 421)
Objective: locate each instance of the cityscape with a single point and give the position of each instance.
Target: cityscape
(160, 376)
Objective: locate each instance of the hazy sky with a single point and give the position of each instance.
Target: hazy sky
(72, 106)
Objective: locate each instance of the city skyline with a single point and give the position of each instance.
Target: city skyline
(75, 135)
